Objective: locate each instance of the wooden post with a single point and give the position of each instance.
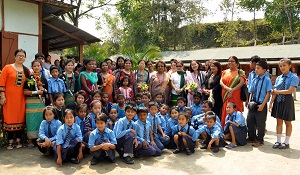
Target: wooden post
(80, 53)
(40, 44)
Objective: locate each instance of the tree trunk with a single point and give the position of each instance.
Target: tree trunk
(290, 20)
(283, 38)
(254, 29)
(232, 10)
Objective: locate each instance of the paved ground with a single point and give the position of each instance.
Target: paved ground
(242, 160)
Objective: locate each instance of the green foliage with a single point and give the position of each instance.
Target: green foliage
(228, 34)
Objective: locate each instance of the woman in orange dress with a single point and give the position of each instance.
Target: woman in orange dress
(232, 80)
(107, 80)
(13, 99)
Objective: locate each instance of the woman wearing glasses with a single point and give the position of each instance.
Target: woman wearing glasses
(178, 83)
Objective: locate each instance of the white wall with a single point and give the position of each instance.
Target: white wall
(0, 14)
(21, 17)
(30, 45)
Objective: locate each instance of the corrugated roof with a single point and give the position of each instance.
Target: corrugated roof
(273, 52)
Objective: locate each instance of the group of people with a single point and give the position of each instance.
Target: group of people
(141, 112)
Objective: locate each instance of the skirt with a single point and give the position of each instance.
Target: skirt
(240, 133)
(174, 99)
(34, 116)
(284, 110)
(69, 99)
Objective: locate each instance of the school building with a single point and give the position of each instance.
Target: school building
(272, 54)
(35, 26)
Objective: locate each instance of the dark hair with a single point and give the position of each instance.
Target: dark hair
(150, 62)
(85, 62)
(115, 109)
(233, 104)
(56, 61)
(78, 107)
(147, 94)
(141, 61)
(130, 107)
(210, 113)
(263, 64)
(79, 65)
(125, 77)
(164, 105)
(102, 63)
(53, 67)
(179, 62)
(218, 65)
(138, 95)
(117, 65)
(68, 61)
(186, 115)
(121, 95)
(102, 117)
(81, 92)
(199, 65)
(209, 103)
(286, 60)
(93, 93)
(50, 108)
(56, 95)
(69, 111)
(142, 109)
(197, 94)
(127, 59)
(160, 62)
(36, 61)
(39, 55)
(159, 93)
(181, 98)
(94, 102)
(131, 103)
(152, 103)
(103, 93)
(236, 60)
(255, 59)
(174, 108)
(107, 59)
(213, 116)
(19, 50)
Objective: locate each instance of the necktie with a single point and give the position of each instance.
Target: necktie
(281, 87)
(145, 131)
(154, 125)
(49, 130)
(102, 137)
(59, 89)
(129, 125)
(255, 90)
(182, 129)
(68, 137)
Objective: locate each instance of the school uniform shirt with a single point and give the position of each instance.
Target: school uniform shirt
(291, 80)
(171, 122)
(56, 85)
(43, 131)
(181, 109)
(260, 82)
(123, 127)
(199, 121)
(251, 76)
(89, 122)
(214, 132)
(139, 128)
(108, 136)
(151, 119)
(187, 129)
(108, 126)
(236, 117)
(63, 131)
(80, 123)
(163, 121)
(121, 112)
(196, 109)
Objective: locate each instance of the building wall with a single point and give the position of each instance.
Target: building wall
(0, 14)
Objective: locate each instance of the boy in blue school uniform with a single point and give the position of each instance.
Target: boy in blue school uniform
(144, 135)
(213, 136)
(196, 107)
(260, 92)
(235, 127)
(181, 102)
(68, 143)
(160, 138)
(55, 84)
(126, 135)
(102, 141)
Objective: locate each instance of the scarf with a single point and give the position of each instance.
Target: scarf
(93, 78)
(182, 79)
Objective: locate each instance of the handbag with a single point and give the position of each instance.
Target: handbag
(253, 105)
(244, 92)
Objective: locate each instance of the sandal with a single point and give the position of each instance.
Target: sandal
(276, 145)
(18, 145)
(10, 146)
(230, 146)
(188, 152)
(176, 151)
(284, 146)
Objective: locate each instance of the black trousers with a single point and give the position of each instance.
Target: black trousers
(256, 119)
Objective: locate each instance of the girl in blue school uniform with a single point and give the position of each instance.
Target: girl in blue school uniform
(282, 103)
(89, 121)
(120, 106)
(81, 111)
(68, 145)
(113, 114)
(183, 133)
(59, 105)
(102, 141)
(106, 105)
(47, 131)
(173, 120)
(235, 127)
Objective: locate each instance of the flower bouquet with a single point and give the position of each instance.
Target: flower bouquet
(143, 87)
(193, 87)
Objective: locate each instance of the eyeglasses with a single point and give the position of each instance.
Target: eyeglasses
(20, 56)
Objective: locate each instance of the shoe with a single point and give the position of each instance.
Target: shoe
(74, 160)
(230, 146)
(18, 145)
(10, 146)
(284, 146)
(276, 145)
(216, 149)
(188, 152)
(251, 140)
(94, 161)
(257, 144)
(128, 160)
(176, 151)
(204, 146)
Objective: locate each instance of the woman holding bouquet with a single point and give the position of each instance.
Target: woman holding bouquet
(178, 83)
(212, 84)
(33, 89)
(195, 77)
(142, 75)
